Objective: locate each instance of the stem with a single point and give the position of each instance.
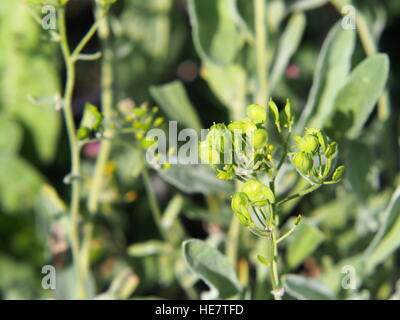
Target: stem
(75, 152)
(154, 207)
(274, 262)
(88, 36)
(107, 101)
(261, 48)
(299, 194)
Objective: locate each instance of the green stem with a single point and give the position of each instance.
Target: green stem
(274, 263)
(261, 49)
(107, 101)
(75, 152)
(154, 207)
(299, 194)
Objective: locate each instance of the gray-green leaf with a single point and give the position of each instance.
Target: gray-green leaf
(303, 288)
(212, 266)
(174, 101)
(356, 101)
(215, 34)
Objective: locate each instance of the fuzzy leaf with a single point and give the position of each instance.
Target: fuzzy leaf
(212, 266)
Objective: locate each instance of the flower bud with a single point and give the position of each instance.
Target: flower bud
(207, 154)
(239, 204)
(256, 113)
(260, 138)
(337, 175)
(218, 137)
(303, 161)
(83, 133)
(313, 131)
(258, 193)
(309, 144)
(322, 139)
(242, 126)
(331, 150)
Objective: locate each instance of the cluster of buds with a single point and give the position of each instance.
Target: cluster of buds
(239, 149)
(314, 157)
(139, 120)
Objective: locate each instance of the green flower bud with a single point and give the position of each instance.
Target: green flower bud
(313, 131)
(225, 175)
(303, 161)
(256, 113)
(158, 121)
(139, 112)
(309, 144)
(239, 204)
(207, 154)
(258, 193)
(244, 220)
(322, 139)
(83, 133)
(337, 175)
(331, 150)
(260, 138)
(219, 136)
(275, 111)
(147, 142)
(242, 126)
(92, 118)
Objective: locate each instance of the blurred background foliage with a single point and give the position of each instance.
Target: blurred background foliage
(198, 60)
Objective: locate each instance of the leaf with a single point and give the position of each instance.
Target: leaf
(341, 272)
(196, 179)
(21, 65)
(213, 267)
(357, 99)
(66, 284)
(303, 288)
(332, 69)
(19, 182)
(174, 101)
(10, 135)
(228, 83)
(215, 35)
(303, 243)
(288, 45)
(387, 239)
